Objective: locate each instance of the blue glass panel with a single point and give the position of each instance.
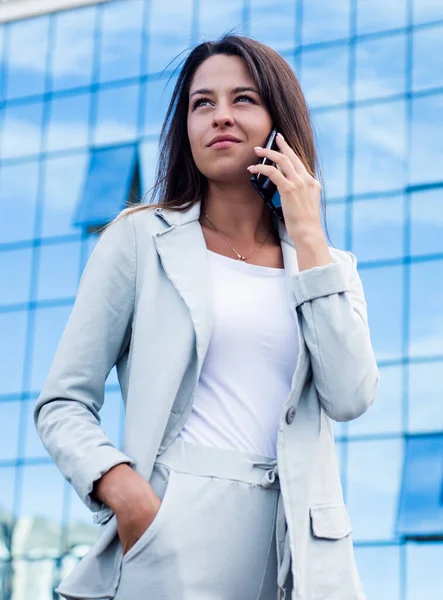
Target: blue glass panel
(121, 39)
(33, 447)
(424, 576)
(12, 350)
(2, 61)
(324, 75)
(169, 33)
(73, 50)
(336, 221)
(217, 19)
(383, 287)
(426, 139)
(9, 429)
(49, 326)
(59, 270)
(331, 129)
(325, 20)
(148, 164)
(20, 133)
(7, 475)
(68, 125)
(275, 28)
(111, 417)
(379, 569)
(18, 197)
(428, 58)
(426, 328)
(15, 269)
(426, 11)
(378, 227)
(380, 147)
(64, 178)
(427, 222)
(48, 503)
(158, 93)
(378, 15)
(374, 474)
(107, 187)
(420, 510)
(26, 56)
(425, 385)
(376, 76)
(385, 414)
(117, 115)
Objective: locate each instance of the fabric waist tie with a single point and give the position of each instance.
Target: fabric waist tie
(282, 537)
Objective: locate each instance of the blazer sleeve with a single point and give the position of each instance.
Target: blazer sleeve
(97, 333)
(335, 328)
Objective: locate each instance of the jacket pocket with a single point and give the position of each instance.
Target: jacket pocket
(330, 521)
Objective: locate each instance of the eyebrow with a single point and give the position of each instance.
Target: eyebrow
(236, 90)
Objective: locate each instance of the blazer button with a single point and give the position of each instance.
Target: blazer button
(290, 415)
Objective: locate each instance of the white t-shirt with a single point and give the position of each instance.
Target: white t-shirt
(247, 372)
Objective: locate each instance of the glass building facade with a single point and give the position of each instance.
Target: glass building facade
(82, 96)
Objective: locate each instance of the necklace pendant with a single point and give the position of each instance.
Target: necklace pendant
(240, 257)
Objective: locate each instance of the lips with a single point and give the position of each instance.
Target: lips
(223, 138)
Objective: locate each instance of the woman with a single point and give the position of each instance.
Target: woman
(237, 337)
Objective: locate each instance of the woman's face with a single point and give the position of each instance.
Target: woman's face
(221, 110)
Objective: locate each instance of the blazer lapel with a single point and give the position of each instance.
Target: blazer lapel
(183, 254)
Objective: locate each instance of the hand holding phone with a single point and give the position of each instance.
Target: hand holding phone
(264, 186)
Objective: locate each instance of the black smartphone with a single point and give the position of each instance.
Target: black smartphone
(264, 186)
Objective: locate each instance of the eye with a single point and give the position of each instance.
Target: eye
(198, 102)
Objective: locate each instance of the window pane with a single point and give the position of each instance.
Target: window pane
(427, 222)
(20, 134)
(169, 33)
(12, 263)
(380, 67)
(49, 326)
(421, 509)
(18, 197)
(111, 171)
(426, 139)
(59, 270)
(26, 56)
(12, 350)
(379, 569)
(380, 150)
(424, 578)
(117, 115)
(428, 58)
(384, 309)
(378, 228)
(158, 93)
(148, 164)
(426, 328)
(385, 414)
(325, 21)
(336, 222)
(73, 49)
(275, 28)
(426, 11)
(425, 407)
(68, 125)
(378, 15)
(324, 75)
(121, 39)
(217, 19)
(331, 129)
(9, 429)
(374, 472)
(64, 178)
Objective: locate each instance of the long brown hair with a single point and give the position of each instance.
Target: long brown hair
(178, 183)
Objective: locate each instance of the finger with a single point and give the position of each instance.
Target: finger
(280, 159)
(283, 184)
(295, 160)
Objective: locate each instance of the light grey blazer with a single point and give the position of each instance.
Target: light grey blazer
(144, 304)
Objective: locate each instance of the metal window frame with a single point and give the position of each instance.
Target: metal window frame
(14, 10)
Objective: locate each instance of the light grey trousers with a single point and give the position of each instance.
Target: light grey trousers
(214, 536)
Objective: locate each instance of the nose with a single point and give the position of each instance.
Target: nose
(222, 115)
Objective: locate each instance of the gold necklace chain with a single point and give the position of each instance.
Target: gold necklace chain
(239, 256)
